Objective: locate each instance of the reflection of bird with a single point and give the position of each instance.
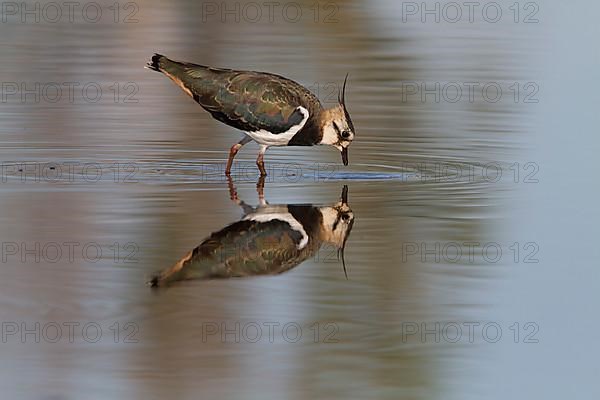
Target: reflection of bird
(268, 240)
(270, 109)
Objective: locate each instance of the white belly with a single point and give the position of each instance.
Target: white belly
(267, 138)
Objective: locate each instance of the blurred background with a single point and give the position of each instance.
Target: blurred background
(471, 259)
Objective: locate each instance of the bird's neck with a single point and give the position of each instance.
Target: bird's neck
(327, 133)
(318, 129)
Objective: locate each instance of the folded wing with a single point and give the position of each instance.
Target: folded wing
(249, 101)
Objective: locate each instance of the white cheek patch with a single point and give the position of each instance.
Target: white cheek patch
(330, 215)
(267, 138)
(284, 217)
(330, 135)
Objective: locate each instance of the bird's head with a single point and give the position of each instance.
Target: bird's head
(336, 126)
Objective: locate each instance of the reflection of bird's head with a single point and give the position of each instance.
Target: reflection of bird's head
(337, 221)
(337, 224)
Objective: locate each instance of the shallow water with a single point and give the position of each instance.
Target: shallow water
(97, 196)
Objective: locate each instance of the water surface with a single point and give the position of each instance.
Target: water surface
(133, 181)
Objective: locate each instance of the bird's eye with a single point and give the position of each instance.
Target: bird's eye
(345, 217)
(345, 134)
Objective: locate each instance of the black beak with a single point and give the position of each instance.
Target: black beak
(345, 155)
(344, 197)
(341, 252)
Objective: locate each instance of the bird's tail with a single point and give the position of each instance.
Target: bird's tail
(174, 273)
(156, 61)
(194, 265)
(165, 278)
(187, 76)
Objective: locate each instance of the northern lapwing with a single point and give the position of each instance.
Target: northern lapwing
(269, 109)
(268, 240)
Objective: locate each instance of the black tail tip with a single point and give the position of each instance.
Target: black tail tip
(154, 282)
(153, 64)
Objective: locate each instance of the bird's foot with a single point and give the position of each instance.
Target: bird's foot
(232, 152)
(260, 189)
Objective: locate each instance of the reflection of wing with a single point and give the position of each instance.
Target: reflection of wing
(245, 248)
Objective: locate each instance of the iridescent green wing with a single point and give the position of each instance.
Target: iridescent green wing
(249, 101)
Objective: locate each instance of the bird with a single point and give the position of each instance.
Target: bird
(268, 240)
(270, 109)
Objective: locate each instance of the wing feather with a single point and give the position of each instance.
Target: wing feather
(249, 101)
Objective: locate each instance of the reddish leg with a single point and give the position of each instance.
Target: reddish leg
(260, 189)
(260, 162)
(232, 191)
(233, 151)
